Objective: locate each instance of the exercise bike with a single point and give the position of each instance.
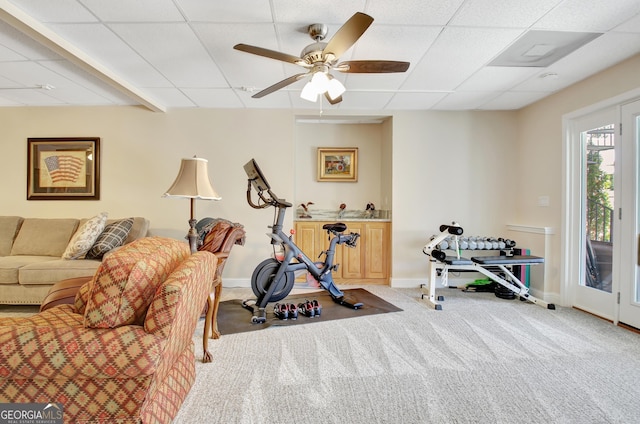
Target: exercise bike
(273, 279)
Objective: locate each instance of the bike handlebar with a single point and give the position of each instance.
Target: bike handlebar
(271, 200)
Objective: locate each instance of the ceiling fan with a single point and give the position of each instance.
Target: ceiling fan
(320, 57)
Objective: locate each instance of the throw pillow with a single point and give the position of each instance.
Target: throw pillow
(113, 236)
(84, 238)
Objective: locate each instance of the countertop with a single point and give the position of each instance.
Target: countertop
(347, 216)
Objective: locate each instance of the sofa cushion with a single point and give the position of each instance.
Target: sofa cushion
(44, 237)
(10, 266)
(54, 270)
(113, 236)
(9, 226)
(84, 238)
(126, 281)
(139, 229)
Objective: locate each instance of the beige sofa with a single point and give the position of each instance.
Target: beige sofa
(32, 249)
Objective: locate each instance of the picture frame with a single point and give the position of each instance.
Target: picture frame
(63, 168)
(338, 164)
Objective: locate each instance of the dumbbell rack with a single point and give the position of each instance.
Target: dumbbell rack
(436, 268)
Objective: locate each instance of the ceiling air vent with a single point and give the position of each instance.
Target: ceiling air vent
(538, 49)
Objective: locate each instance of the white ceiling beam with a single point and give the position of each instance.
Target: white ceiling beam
(43, 35)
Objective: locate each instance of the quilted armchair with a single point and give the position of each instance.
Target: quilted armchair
(123, 352)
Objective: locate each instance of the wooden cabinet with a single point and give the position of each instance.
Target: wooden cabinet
(366, 263)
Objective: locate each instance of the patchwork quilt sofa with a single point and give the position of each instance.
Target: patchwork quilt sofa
(35, 253)
(124, 351)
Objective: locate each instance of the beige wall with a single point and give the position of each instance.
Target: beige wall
(482, 169)
(372, 166)
(540, 153)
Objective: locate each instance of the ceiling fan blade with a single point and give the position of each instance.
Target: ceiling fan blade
(271, 54)
(333, 101)
(277, 86)
(372, 66)
(348, 34)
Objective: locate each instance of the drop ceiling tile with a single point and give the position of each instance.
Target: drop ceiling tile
(175, 51)
(307, 12)
(456, 55)
(107, 48)
(214, 97)
(87, 81)
(501, 13)
(594, 15)
(512, 100)
(237, 11)
(464, 100)
(8, 83)
(374, 82)
(32, 74)
(412, 12)
(56, 10)
(365, 100)
(171, 96)
(631, 25)
(414, 101)
(134, 11)
(78, 95)
(243, 69)
(277, 100)
(4, 102)
(8, 55)
(539, 84)
(22, 44)
(401, 43)
(30, 97)
(497, 78)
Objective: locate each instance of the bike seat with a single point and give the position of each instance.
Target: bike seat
(338, 227)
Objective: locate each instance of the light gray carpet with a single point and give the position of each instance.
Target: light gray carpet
(479, 360)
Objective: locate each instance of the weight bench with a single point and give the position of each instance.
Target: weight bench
(480, 264)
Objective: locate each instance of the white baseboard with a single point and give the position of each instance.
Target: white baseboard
(236, 283)
(410, 283)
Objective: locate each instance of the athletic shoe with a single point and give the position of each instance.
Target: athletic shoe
(317, 309)
(280, 311)
(293, 311)
(306, 309)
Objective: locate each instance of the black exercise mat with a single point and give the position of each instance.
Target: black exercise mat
(233, 318)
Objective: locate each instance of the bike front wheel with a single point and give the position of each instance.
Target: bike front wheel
(262, 279)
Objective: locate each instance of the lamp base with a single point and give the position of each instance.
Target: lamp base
(192, 236)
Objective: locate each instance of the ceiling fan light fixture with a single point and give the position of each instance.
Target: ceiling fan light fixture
(309, 92)
(320, 82)
(335, 89)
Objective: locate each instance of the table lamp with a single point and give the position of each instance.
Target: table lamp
(193, 183)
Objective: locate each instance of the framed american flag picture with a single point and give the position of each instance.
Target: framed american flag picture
(63, 168)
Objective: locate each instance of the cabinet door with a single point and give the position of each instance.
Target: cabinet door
(308, 238)
(352, 258)
(377, 250)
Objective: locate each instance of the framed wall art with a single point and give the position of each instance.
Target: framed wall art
(338, 164)
(63, 168)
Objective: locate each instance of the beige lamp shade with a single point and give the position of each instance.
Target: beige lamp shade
(193, 181)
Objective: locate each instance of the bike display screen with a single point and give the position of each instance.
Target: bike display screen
(258, 181)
